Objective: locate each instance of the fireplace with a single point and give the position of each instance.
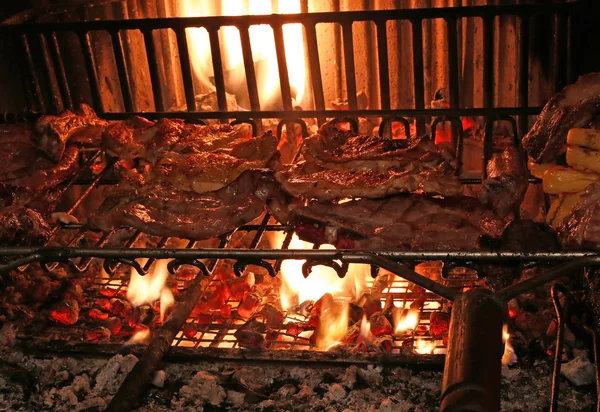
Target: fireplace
(462, 74)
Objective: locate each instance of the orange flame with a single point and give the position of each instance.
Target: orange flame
(261, 40)
(297, 288)
(424, 347)
(141, 336)
(365, 329)
(333, 327)
(150, 288)
(509, 357)
(405, 323)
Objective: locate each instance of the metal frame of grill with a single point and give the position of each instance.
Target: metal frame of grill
(477, 314)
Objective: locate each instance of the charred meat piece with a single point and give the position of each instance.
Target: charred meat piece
(20, 226)
(338, 164)
(574, 106)
(210, 138)
(164, 210)
(208, 171)
(400, 222)
(18, 150)
(51, 133)
(339, 184)
(581, 227)
(506, 183)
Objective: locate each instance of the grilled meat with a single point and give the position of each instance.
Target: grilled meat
(338, 164)
(18, 150)
(400, 222)
(51, 133)
(21, 226)
(574, 106)
(506, 183)
(208, 171)
(581, 227)
(163, 210)
(200, 138)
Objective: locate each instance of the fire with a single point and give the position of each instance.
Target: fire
(141, 336)
(333, 326)
(424, 347)
(261, 40)
(405, 322)
(150, 288)
(296, 289)
(365, 329)
(509, 357)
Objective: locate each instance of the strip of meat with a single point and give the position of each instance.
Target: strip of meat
(400, 222)
(339, 164)
(507, 181)
(208, 171)
(43, 174)
(200, 138)
(163, 210)
(330, 185)
(20, 226)
(51, 133)
(581, 228)
(574, 106)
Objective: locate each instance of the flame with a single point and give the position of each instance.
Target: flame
(150, 288)
(365, 329)
(424, 347)
(509, 357)
(261, 40)
(141, 336)
(407, 323)
(333, 326)
(297, 288)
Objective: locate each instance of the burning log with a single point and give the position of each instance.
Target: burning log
(384, 344)
(250, 334)
(370, 304)
(65, 313)
(294, 328)
(273, 317)
(380, 325)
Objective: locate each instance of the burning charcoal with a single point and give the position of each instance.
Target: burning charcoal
(249, 305)
(421, 330)
(253, 325)
(103, 304)
(418, 303)
(294, 328)
(380, 325)
(370, 304)
(120, 308)
(109, 293)
(113, 324)
(75, 292)
(384, 344)
(97, 314)
(40, 289)
(533, 325)
(186, 273)
(248, 339)
(203, 319)
(241, 285)
(100, 334)
(272, 336)
(352, 334)
(189, 330)
(66, 312)
(146, 315)
(225, 311)
(355, 313)
(326, 301)
(439, 324)
(273, 317)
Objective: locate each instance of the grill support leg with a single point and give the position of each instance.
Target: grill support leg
(473, 361)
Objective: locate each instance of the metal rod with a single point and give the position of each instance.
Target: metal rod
(217, 61)
(249, 68)
(32, 75)
(284, 77)
(384, 71)
(315, 69)
(523, 79)
(404, 272)
(473, 358)
(153, 69)
(488, 61)
(186, 69)
(418, 74)
(531, 283)
(90, 66)
(453, 63)
(61, 75)
(49, 75)
(561, 312)
(122, 71)
(349, 65)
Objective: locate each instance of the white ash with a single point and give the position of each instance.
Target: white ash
(88, 384)
(580, 371)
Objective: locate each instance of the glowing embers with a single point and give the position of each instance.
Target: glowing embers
(262, 41)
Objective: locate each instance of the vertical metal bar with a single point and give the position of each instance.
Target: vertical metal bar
(488, 61)
(90, 66)
(51, 85)
(559, 52)
(61, 74)
(523, 45)
(117, 44)
(284, 78)
(249, 68)
(315, 68)
(384, 70)
(453, 63)
(186, 69)
(349, 64)
(418, 75)
(32, 75)
(159, 104)
(217, 61)
(560, 338)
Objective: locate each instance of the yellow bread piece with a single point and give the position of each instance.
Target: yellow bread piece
(538, 169)
(589, 138)
(560, 179)
(583, 159)
(560, 207)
